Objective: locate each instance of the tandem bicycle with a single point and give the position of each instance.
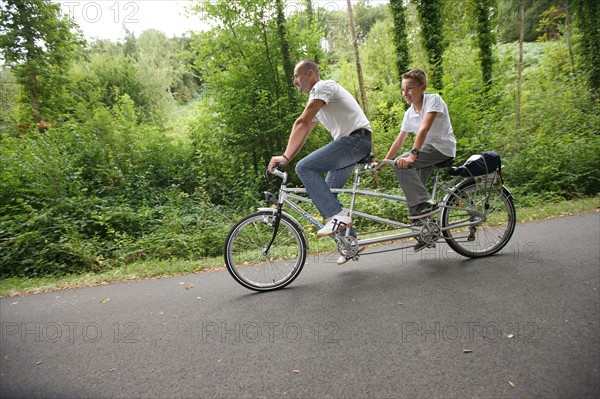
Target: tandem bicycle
(266, 250)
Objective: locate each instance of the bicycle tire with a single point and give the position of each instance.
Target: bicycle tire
(246, 243)
(494, 231)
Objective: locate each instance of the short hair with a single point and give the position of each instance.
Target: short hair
(309, 64)
(416, 74)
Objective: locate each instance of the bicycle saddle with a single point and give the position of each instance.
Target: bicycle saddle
(445, 164)
(368, 159)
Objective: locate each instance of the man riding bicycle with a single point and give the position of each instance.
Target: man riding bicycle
(428, 117)
(337, 110)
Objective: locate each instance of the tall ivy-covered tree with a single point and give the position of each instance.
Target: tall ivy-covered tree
(37, 42)
(430, 17)
(398, 11)
(588, 20)
(485, 38)
(520, 62)
(288, 64)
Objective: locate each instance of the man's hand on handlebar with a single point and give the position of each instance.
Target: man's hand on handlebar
(277, 162)
(378, 166)
(405, 162)
(402, 163)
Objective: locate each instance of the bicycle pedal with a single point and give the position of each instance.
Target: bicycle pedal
(342, 259)
(422, 245)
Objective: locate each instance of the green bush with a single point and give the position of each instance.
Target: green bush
(89, 196)
(109, 184)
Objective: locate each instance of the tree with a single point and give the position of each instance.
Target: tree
(400, 38)
(161, 73)
(359, 72)
(568, 34)
(241, 63)
(288, 65)
(508, 18)
(588, 18)
(520, 62)
(485, 39)
(38, 43)
(430, 17)
(311, 25)
(366, 16)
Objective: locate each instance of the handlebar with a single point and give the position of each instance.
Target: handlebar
(386, 162)
(376, 166)
(278, 170)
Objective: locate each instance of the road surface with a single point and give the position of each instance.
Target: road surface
(523, 323)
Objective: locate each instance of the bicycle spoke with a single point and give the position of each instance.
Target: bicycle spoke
(465, 231)
(245, 258)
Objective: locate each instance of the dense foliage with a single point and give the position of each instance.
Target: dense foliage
(154, 146)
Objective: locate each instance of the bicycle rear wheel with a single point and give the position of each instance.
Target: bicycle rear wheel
(245, 257)
(490, 213)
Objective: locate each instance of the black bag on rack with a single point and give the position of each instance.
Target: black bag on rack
(478, 165)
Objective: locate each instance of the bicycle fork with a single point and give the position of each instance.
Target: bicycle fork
(271, 198)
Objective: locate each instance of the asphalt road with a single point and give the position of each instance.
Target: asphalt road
(523, 323)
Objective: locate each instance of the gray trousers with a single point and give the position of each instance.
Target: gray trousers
(413, 180)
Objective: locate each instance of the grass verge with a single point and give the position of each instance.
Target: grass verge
(156, 269)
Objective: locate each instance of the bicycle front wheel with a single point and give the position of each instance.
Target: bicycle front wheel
(478, 220)
(245, 255)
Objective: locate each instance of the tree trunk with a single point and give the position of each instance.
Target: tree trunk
(310, 18)
(361, 80)
(400, 39)
(485, 40)
(430, 16)
(31, 62)
(33, 95)
(520, 66)
(309, 11)
(588, 16)
(568, 36)
(288, 65)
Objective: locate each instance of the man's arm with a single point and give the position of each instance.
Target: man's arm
(424, 129)
(404, 163)
(396, 145)
(301, 129)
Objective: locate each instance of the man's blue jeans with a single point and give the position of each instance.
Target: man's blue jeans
(337, 159)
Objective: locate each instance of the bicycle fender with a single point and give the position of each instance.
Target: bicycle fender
(508, 192)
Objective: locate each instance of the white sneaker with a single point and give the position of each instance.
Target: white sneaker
(342, 259)
(336, 223)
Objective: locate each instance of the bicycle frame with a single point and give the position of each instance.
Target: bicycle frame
(289, 197)
(266, 250)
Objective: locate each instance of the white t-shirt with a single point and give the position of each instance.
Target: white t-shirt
(341, 114)
(440, 135)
